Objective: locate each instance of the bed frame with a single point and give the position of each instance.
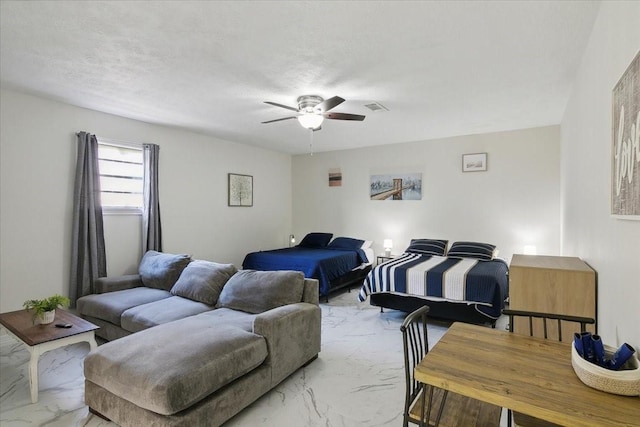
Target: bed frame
(353, 278)
(439, 309)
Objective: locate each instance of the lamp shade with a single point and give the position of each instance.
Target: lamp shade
(310, 120)
(388, 243)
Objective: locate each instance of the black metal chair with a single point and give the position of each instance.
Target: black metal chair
(551, 329)
(451, 409)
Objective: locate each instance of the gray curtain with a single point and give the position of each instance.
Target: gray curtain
(151, 229)
(88, 258)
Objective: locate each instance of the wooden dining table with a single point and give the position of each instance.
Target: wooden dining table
(526, 374)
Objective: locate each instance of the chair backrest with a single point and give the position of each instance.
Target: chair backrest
(551, 323)
(416, 346)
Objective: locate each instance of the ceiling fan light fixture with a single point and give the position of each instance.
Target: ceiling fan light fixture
(310, 121)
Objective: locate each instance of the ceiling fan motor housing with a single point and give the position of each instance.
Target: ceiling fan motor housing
(307, 103)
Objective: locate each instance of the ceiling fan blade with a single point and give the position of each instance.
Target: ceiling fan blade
(279, 120)
(280, 105)
(344, 116)
(328, 104)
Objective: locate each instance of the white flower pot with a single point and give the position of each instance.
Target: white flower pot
(47, 317)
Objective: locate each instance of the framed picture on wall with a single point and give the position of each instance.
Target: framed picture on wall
(240, 190)
(396, 186)
(625, 144)
(475, 162)
(335, 177)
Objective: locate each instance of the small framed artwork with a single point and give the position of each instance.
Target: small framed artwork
(475, 162)
(240, 190)
(335, 177)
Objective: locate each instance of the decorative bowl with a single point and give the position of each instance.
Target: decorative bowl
(625, 382)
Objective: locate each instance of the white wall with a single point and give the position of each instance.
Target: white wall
(516, 202)
(611, 246)
(38, 155)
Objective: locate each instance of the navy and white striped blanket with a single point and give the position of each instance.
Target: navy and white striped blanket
(464, 280)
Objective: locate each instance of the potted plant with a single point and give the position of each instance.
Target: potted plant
(45, 309)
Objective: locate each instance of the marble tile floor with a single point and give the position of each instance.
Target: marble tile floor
(357, 380)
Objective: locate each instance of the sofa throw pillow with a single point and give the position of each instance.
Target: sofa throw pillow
(255, 292)
(161, 271)
(203, 281)
(316, 240)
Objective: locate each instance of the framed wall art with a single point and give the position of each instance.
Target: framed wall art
(399, 186)
(475, 162)
(625, 144)
(240, 190)
(335, 177)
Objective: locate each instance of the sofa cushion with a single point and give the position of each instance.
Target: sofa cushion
(155, 313)
(227, 316)
(203, 281)
(258, 291)
(111, 305)
(161, 271)
(202, 358)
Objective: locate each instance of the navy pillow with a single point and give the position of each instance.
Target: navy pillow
(346, 243)
(428, 247)
(483, 251)
(316, 240)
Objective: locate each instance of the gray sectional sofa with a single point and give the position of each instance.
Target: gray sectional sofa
(192, 343)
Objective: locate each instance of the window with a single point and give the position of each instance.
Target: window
(121, 176)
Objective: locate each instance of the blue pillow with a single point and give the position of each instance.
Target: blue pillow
(316, 240)
(346, 243)
(428, 247)
(483, 251)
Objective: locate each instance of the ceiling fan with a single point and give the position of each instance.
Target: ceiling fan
(312, 110)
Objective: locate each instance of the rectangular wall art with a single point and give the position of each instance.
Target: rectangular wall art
(476, 162)
(335, 177)
(240, 190)
(625, 144)
(401, 186)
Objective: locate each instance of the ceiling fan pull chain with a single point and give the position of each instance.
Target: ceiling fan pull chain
(311, 142)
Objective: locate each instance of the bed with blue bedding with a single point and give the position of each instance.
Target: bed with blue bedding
(463, 285)
(336, 264)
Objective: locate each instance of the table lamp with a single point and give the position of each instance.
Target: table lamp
(388, 244)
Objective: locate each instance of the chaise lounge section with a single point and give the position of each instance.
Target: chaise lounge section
(204, 368)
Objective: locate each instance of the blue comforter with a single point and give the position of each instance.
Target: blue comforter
(324, 264)
(466, 280)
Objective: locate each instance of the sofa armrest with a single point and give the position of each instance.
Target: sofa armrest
(117, 283)
(311, 291)
(292, 333)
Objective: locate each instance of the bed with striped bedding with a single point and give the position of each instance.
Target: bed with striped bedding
(470, 283)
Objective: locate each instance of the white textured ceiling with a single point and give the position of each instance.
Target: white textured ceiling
(441, 68)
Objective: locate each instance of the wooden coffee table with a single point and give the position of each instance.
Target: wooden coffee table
(42, 338)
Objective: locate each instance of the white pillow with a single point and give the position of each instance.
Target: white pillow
(370, 256)
(367, 244)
